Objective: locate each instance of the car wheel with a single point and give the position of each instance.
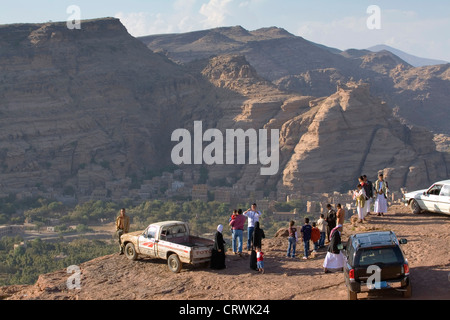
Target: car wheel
(352, 295)
(415, 208)
(174, 263)
(407, 293)
(130, 251)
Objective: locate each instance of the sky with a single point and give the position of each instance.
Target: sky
(417, 27)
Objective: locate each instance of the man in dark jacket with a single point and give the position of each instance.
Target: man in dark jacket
(331, 220)
(334, 258)
(368, 188)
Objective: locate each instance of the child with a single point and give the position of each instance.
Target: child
(233, 216)
(306, 236)
(292, 240)
(315, 236)
(260, 260)
(322, 225)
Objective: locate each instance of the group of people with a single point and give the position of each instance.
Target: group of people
(316, 233)
(366, 191)
(326, 227)
(254, 242)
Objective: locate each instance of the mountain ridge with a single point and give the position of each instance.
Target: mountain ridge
(84, 108)
(288, 59)
(410, 58)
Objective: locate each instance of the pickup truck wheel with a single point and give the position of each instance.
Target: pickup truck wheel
(130, 251)
(174, 263)
(352, 295)
(415, 208)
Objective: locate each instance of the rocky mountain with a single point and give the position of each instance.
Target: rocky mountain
(94, 99)
(80, 108)
(351, 132)
(301, 66)
(411, 59)
(337, 137)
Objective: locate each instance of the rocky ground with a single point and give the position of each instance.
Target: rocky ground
(114, 277)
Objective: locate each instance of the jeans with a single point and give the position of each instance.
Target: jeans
(306, 247)
(119, 232)
(316, 245)
(292, 246)
(250, 236)
(322, 239)
(237, 234)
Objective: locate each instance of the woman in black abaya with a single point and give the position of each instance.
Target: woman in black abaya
(218, 251)
(258, 235)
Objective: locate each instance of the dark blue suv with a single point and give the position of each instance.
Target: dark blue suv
(375, 261)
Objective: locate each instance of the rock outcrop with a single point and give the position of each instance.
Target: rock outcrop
(94, 98)
(351, 133)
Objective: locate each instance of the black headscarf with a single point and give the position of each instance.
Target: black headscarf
(258, 235)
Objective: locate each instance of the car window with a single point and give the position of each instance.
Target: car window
(445, 191)
(372, 256)
(151, 233)
(350, 251)
(436, 189)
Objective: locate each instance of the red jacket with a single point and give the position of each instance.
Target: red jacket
(315, 234)
(260, 256)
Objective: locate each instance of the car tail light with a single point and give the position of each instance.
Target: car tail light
(405, 269)
(351, 274)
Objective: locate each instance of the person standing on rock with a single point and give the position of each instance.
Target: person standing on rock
(340, 214)
(306, 237)
(258, 235)
(381, 189)
(368, 188)
(322, 225)
(259, 260)
(315, 236)
(218, 251)
(238, 232)
(334, 258)
(331, 220)
(122, 227)
(253, 216)
(293, 238)
(360, 196)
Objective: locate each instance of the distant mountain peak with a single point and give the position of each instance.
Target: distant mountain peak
(411, 59)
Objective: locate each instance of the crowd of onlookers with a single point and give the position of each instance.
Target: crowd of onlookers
(326, 230)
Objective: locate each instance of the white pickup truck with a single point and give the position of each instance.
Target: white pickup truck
(168, 240)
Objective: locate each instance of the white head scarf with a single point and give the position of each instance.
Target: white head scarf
(220, 228)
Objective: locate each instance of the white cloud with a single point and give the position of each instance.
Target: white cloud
(216, 13)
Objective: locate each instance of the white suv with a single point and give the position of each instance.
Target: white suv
(434, 199)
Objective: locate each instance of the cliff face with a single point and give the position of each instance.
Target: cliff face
(97, 102)
(350, 133)
(93, 98)
(325, 143)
